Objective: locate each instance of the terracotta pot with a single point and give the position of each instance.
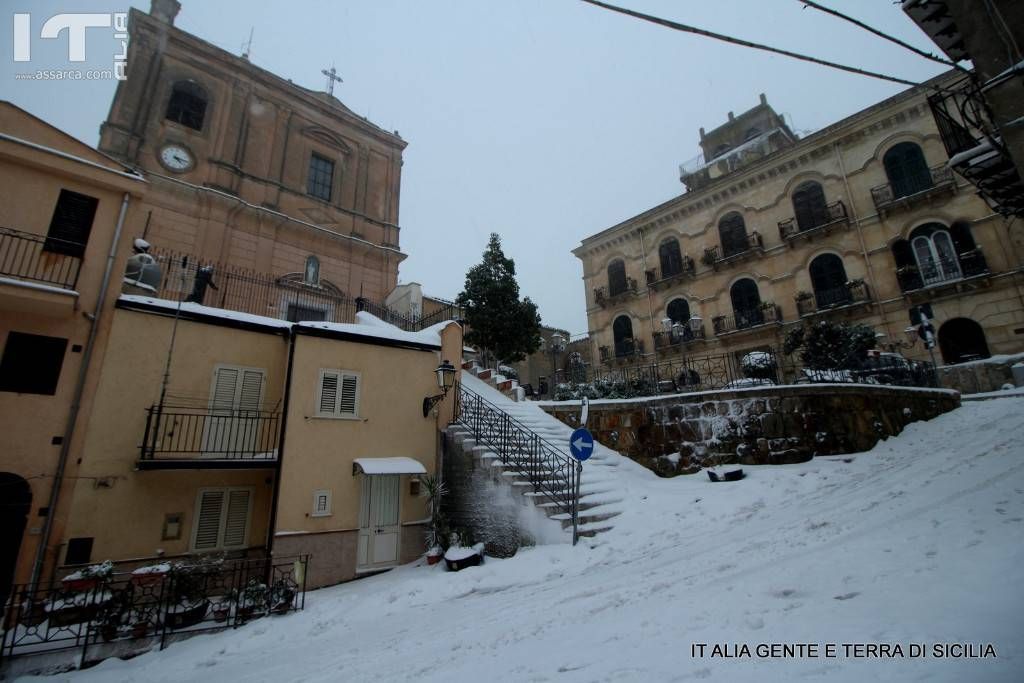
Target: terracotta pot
(80, 585)
(434, 559)
(148, 579)
(220, 614)
(140, 629)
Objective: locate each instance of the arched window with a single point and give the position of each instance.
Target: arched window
(809, 205)
(961, 340)
(311, 275)
(732, 231)
(187, 105)
(828, 278)
(671, 258)
(679, 311)
(622, 330)
(746, 303)
(616, 277)
(935, 254)
(907, 170)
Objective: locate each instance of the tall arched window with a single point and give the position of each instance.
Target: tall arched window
(311, 275)
(679, 311)
(809, 205)
(828, 278)
(935, 254)
(732, 231)
(187, 105)
(671, 258)
(746, 303)
(616, 277)
(907, 170)
(622, 330)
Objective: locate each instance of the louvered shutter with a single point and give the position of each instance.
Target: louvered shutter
(225, 386)
(237, 518)
(328, 393)
(251, 391)
(71, 223)
(211, 504)
(349, 395)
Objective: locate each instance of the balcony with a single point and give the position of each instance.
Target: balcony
(604, 298)
(672, 341)
(914, 190)
(767, 313)
(658, 278)
(194, 438)
(975, 149)
(834, 216)
(715, 256)
(624, 349)
(40, 259)
(850, 296)
(964, 272)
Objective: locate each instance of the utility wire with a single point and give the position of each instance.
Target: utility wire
(745, 43)
(880, 34)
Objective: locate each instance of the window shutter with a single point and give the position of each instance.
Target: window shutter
(328, 392)
(225, 385)
(349, 391)
(251, 390)
(237, 518)
(71, 223)
(211, 504)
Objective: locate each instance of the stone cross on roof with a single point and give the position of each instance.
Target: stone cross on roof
(332, 76)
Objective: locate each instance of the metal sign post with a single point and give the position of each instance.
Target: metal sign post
(581, 445)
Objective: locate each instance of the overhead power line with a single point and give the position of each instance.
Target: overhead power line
(880, 34)
(745, 43)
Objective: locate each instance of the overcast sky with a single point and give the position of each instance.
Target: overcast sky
(542, 120)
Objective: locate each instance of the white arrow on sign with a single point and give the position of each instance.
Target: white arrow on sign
(580, 443)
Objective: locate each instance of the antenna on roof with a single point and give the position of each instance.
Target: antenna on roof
(247, 46)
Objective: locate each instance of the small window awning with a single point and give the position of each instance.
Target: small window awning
(387, 466)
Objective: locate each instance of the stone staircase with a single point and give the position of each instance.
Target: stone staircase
(507, 386)
(525, 449)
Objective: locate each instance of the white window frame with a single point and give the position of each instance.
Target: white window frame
(330, 507)
(223, 518)
(336, 414)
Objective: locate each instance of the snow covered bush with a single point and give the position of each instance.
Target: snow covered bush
(825, 345)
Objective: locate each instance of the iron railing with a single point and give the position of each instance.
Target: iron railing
(658, 276)
(762, 315)
(935, 177)
(553, 474)
(174, 433)
(834, 213)
(676, 339)
(38, 258)
(715, 255)
(287, 297)
(825, 299)
(154, 608)
(604, 295)
(936, 272)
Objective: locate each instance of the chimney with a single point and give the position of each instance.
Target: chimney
(764, 100)
(165, 10)
(731, 116)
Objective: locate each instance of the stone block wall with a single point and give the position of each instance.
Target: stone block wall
(980, 376)
(680, 434)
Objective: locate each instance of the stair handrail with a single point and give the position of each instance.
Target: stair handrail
(541, 461)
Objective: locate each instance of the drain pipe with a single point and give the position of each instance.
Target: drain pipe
(650, 301)
(76, 401)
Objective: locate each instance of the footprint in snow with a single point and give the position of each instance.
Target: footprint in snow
(784, 593)
(755, 623)
(846, 596)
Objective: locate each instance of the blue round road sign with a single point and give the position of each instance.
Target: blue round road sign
(581, 444)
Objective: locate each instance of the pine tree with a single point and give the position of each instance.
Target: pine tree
(498, 321)
(825, 345)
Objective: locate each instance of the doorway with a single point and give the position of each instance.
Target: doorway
(379, 529)
(15, 502)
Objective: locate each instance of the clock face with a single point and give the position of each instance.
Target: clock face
(176, 158)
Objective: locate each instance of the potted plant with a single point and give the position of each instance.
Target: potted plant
(462, 552)
(252, 601)
(434, 489)
(222, 608)
(803, 295)
(281, 596)
(89, 577)
(150, 574)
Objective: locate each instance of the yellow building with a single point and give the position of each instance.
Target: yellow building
(66, 213)
(860, 220)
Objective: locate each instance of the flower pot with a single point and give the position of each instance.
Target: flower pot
(220, 613)
(188, 617)
(80, 585)
(462, 562)
(108, 632)
(433, 559)
(140, 629)
(148, 579)
(244, 614)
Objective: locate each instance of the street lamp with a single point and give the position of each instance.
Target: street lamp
(445, 379)
(696, 324)
(556, 345)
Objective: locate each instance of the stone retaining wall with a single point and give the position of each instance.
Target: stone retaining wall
(980, 376)
(679, 434)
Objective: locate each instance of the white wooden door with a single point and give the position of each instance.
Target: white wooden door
(232, 425)
(379, 530)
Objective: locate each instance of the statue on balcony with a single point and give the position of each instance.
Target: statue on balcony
(204, 279)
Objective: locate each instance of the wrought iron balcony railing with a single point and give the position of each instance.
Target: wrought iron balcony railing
(937, 177)
(834, 214)
(604, 295)
(713, 256)
(969, 264)
(657, 277)
(38, 258)
(854, 292)
(675, 340)
(765, 314)
(209, 438)
(624, 348)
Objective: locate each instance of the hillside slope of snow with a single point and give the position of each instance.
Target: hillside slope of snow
(918, 541)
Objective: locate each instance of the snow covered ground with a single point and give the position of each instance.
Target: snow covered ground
(919, 542)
